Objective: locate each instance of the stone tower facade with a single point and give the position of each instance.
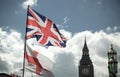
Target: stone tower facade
(85, 67)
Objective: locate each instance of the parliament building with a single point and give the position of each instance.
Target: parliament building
(85, 67)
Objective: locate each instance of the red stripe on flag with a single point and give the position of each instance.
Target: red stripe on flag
(32, 13)
(47, 32)
(34, 60)
(32, 23)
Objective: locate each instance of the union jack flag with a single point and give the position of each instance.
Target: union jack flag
(43, 29)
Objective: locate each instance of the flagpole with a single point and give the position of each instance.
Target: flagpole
(25, 46)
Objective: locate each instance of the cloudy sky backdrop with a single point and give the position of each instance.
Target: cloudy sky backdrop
(99, 20)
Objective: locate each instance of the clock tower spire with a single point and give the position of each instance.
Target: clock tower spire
(85, 65)
(85, 48)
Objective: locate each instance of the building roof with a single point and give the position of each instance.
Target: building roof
(4, 75)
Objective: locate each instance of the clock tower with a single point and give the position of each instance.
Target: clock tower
(86, 68)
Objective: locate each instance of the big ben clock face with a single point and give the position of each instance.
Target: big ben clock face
(85, 71)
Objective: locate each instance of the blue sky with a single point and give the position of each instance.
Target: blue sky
(99, 20)
(80, 14)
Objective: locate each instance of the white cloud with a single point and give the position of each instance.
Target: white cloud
(99, 2)
(29, 2)
(64, 23)
(112, 29)
(11, 49)
(66, 59)
(66, 19)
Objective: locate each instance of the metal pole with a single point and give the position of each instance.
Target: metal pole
(25, 46)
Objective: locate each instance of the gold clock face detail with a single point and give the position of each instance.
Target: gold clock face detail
(85, 71)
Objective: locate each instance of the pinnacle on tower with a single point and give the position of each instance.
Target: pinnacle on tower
(85, 48)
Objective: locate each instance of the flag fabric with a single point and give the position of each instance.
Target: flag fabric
(36, 62)
(43, 29)
(14, 75)
(46, 73)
